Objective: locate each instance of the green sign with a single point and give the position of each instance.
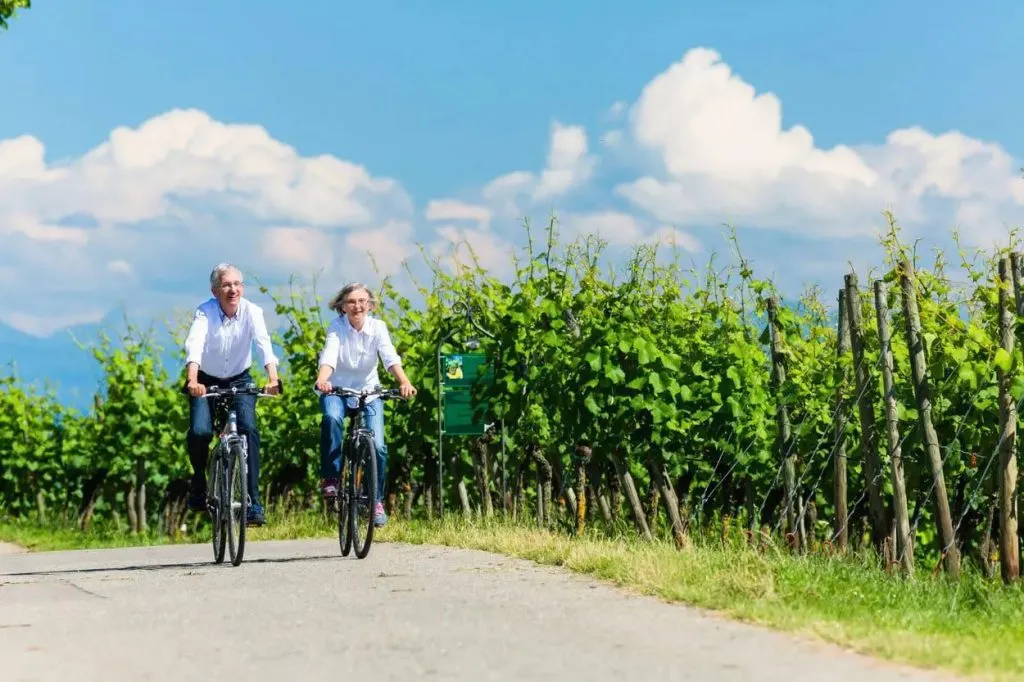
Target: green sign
(464, 416)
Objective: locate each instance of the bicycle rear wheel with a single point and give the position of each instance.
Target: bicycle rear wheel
(363, 489)
(216, 486)
(237, 505)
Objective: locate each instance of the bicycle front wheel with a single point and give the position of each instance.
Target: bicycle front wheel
(237, 504)
(343, 499)
(363, 494)
(215, 500)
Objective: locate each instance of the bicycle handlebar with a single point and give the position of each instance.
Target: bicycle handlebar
(384, 393)
(249, 389)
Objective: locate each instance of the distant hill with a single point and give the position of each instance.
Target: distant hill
(57, 361)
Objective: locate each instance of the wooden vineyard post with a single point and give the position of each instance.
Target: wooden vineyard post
(868, 440)
(839, 453)
(904, 545)
(1009, 552)
(786, 450)
(922, 393)
(580, 460)
(631, 495)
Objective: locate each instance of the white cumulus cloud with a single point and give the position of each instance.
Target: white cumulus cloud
(569, 165)
(157, 204)
(166, 200)
(724, 155)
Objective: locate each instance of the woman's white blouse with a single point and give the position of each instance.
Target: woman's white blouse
(353, 354)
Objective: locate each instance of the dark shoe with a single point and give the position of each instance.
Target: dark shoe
(256, 517)
(197, 500)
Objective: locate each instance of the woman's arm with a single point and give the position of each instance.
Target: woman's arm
(393, 362)
(328, 358)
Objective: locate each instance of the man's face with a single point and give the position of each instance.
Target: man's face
(229, 290)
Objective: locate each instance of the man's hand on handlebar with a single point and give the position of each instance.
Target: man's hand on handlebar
(196, 389)
(273, 387)
(323, 386)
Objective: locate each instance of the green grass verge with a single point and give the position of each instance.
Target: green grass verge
(972, 627)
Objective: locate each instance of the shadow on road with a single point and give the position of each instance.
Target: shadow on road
(173, 566)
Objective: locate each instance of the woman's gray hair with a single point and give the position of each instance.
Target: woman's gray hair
(222, 269)
(336, 302)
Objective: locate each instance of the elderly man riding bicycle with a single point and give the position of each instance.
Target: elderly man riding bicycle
(218, 352)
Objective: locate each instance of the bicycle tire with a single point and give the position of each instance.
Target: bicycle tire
(365, 461)
(237, 486)
(214, 484)
(341, 502)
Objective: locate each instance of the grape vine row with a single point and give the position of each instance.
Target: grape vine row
(656, 399)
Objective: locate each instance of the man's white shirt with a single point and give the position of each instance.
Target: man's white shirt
(353, 354)
(222, 345)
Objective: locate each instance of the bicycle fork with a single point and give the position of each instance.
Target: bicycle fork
(231, 434)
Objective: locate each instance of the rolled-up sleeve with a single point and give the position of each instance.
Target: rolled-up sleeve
(262, 336)
(332, 346)
(195, 342)
(386, 349)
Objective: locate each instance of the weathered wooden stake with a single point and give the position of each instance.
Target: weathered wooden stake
(1009, 551)
(622, 473)
(904, 544)
(482, 466)
(868, 440)
(839, 451)
(140, 495)
(662, 482)
(467, 510)
(544, 476)
(582, 459)
(785, 441)
(922, 392)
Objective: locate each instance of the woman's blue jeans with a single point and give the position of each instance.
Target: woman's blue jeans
(332, 434)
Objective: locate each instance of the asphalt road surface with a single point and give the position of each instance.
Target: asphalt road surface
(297, 610)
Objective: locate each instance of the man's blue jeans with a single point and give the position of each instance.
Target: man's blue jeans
(332, 434)
(200, 432)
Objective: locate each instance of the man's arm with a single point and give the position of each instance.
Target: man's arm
(266, 348)
(195, 341)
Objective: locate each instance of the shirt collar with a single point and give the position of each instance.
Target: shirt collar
(352, 330)
(224, 316)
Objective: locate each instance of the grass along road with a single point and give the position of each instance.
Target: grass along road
(971, 627)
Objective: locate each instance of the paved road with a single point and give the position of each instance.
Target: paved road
(297, 610)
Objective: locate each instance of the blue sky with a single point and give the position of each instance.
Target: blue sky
(442, 95)
(444, 98)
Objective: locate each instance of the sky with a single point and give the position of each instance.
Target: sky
(141, 143)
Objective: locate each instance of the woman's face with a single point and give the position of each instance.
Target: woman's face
(357, 305)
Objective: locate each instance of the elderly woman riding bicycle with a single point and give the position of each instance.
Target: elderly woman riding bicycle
(354, 344)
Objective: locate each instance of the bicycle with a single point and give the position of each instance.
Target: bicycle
(358, 470)
(231, 455)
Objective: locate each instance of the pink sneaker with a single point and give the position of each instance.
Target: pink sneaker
(329, 487)
(379, 517)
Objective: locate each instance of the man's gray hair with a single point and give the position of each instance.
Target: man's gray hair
(338, 299)
(222, 269)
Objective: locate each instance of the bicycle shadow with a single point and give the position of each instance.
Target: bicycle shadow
(206, 563)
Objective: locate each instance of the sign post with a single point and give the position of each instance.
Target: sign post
(459, 413)
(461, 375)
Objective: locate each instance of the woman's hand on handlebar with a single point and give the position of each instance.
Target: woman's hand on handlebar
(406, 390)
(324, 386)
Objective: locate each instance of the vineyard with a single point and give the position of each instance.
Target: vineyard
(654, 400)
